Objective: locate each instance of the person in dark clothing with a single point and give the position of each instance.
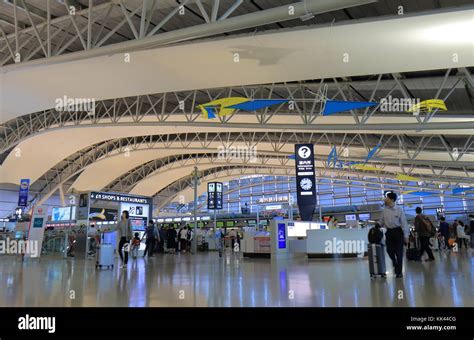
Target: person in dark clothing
(424, 228)
(172, 240)
(162, 237)
(444, 231)
(150, 239)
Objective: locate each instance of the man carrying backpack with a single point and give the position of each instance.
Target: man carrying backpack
(425, 230)
(375, 234)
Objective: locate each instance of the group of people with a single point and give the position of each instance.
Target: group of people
(398, 233)
(457, 233)
(155, 239)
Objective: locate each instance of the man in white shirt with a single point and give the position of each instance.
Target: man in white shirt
(393, 218)
(183, 238)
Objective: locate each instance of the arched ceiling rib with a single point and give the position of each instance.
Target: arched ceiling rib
(37, 150)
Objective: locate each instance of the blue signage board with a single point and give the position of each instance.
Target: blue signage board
(281, 236)
(23, 192)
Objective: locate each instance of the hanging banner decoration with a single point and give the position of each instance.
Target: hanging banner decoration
(429, 105)
(334, 161)
(23, 192)
(461, 190)
(214, 195)
(305, 180)
(419, 193)
(226, 106)
(336, 106)
(402, 177)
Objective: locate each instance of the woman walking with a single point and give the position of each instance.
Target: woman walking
(125, 231)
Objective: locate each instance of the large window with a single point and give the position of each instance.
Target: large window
(337, 194)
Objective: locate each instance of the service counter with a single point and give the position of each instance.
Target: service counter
(309, 239)
(256, 244)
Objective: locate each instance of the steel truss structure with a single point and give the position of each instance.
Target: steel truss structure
(399, 150)
(179, 108)
(73, 29)
(85, 28)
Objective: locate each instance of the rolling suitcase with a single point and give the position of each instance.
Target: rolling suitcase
(413, 248)
(105, 256)
(376, 260)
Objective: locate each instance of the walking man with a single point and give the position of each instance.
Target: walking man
(394, 219)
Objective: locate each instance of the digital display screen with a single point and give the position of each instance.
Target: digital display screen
(220, 224)
(63, 214)
(230, 223)
(138, 224)
(38, 222)
(281, 236)
(351, 217)
(297, 229)
(364, 217)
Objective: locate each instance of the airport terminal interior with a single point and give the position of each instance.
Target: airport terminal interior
(236, 153)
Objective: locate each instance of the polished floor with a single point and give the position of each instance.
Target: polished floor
(205, 280)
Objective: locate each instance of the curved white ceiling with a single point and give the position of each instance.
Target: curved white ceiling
(97, 175)
(404, 43)
(46, 149)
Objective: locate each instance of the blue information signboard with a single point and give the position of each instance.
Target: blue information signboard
(23, 192)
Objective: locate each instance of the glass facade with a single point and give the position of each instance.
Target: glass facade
(276, 189)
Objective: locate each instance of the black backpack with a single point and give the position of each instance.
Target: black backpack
(375, 235)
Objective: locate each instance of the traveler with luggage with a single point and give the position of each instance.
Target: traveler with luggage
(150, 233)
(125, 234)
(393, 218)
(376, 252)
(444, 231)
(452, 236)
(425, 230)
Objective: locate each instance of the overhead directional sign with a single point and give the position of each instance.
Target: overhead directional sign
(214, 195)
(305, 180)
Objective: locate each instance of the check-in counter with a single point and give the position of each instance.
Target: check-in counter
(256, 244)
(336, 243)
